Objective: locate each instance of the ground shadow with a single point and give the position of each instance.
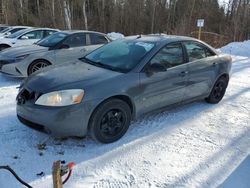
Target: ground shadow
(6, 81)
(240, 177)
(203, 167)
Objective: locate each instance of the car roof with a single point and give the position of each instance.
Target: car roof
(37, 28)
(81, 31)
(13, 27)
(161, 37)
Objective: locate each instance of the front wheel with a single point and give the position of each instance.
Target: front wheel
(218, 91)
(110, 121)
(37, 65)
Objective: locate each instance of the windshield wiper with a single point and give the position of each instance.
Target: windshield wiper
(100, 64)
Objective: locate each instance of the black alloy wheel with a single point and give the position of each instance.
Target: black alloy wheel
(110, 121)
(218, 91)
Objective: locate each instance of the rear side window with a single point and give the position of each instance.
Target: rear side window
(197, 51)
(76, 40)
(48, 33)
(37, 34)
(97, 39)
(169, 56)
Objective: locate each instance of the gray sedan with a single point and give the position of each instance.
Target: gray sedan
(103, 91)
(56, 49)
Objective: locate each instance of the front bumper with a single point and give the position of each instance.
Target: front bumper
(57, 121)
(11, 70)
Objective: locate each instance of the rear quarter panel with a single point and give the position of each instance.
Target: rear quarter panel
(224, 63)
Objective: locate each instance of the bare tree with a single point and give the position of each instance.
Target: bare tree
(153, 16)
(84, 14)
(132, 16)
(67, 14)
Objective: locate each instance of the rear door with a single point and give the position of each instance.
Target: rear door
(201, 68)
(160, 89)
(72, 48)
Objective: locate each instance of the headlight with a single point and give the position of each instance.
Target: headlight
(20, 58)
(61, 98)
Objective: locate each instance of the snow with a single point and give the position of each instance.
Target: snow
(195, 145)
(237, 48)
(115, 36)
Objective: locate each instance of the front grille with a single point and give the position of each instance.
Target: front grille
(32, 125)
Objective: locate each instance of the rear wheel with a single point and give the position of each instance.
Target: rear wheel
(110, 121)
(218, 91)
(37, 65)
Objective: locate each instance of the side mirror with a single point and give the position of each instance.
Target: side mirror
(156, 67)
(8, 33)
(64, 46)
(24, 37)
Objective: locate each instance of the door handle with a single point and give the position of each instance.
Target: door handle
(83, 50)
(183, 73)
(214, 64)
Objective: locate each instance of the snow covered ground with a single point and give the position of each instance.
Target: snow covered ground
(237, 48)
(196, 145)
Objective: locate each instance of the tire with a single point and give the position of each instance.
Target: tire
(110, 121)
(218, 91)
(4, 46)
(37, 65)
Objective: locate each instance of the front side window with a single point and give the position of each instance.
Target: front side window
(97, 39)
(121, 55)
(18, 33)
(169, 56)
(76, 40)
(52, 40)
(197, 51)
(33, 35)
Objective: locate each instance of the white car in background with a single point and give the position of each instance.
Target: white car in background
(10, 30)
(57, 49)
(25, 37)
(3, 27)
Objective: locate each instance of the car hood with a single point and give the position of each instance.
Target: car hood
(23, 50)
(75, 75)
(5, 40)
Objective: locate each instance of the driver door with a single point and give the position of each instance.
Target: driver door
(167, 86)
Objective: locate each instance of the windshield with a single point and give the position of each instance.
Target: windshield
(7, 29)
(17, 34)
(52, 40)
(121, 55)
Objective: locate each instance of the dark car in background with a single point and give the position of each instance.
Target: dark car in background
(102, 92)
